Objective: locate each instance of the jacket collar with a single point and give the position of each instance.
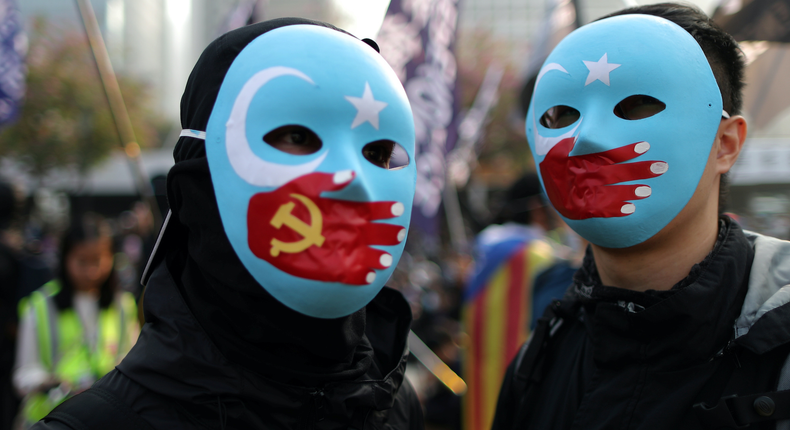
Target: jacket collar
(670, 329)
(762, 324)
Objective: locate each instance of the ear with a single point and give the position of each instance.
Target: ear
(729, 141)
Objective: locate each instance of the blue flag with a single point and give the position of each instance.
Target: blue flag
(13, 46)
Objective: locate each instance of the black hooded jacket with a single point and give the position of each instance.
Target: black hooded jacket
(176, 378)
(630, 360)
(217, 351)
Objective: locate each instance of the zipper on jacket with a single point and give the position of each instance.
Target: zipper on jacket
(312, 412)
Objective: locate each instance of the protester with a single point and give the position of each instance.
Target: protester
(75, 328)
(677, 318)
(265, 304)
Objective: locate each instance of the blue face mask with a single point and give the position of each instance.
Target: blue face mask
(621, 125)
(321, 232)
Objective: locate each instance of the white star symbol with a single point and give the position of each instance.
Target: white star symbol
(599, 70)
(368, 108)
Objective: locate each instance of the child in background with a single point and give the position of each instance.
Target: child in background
(75, 328)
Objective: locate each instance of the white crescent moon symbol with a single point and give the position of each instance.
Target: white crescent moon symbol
(245, 163)
(547, 68)
(544, 144)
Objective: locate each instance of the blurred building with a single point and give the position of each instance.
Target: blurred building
(511, 21)
(160, 40)
(518, 23)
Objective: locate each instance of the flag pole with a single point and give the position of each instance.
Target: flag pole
(435, 365)
(120, 115)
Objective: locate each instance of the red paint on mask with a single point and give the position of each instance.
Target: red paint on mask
(580, 186)
(318, 238)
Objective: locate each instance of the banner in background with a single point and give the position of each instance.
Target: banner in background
(417, 38)
(13, 46)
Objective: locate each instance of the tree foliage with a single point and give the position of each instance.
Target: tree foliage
(65, 121)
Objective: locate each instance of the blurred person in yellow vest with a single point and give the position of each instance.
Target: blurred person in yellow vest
(76, 327)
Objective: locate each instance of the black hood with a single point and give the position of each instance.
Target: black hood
(207, 76)
(186, 378)
(247, 324)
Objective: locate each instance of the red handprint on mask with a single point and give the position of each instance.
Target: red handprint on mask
(312, 237)
(580, 186)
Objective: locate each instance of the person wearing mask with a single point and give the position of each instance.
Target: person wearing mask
(75, 328)
(290, 200)
(677, 319)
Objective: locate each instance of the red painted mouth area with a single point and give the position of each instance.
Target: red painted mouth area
(581, 186)
(318, 238)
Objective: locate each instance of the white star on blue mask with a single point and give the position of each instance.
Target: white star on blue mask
(599, 70)
(368, 108)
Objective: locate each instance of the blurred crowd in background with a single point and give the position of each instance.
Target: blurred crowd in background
(58, 164)
(80, 260)
(432, 276)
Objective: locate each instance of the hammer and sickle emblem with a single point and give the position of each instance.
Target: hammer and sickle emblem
(311, 233)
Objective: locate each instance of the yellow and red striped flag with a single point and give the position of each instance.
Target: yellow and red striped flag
(496, 314)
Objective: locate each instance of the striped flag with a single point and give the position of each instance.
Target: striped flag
(496, 314)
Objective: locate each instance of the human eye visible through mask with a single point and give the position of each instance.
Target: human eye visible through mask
(386, 154)
(379, 152)
(559, 116)
(294, 139)
(638, 107)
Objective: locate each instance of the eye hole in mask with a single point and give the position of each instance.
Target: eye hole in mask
(386, 154)
(294, 139)
(559, 116)
(638, 107)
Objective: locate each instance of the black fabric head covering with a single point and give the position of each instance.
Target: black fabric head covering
(7, 204)
(248, 325)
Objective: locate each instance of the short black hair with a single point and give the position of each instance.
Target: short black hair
(721, 49)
